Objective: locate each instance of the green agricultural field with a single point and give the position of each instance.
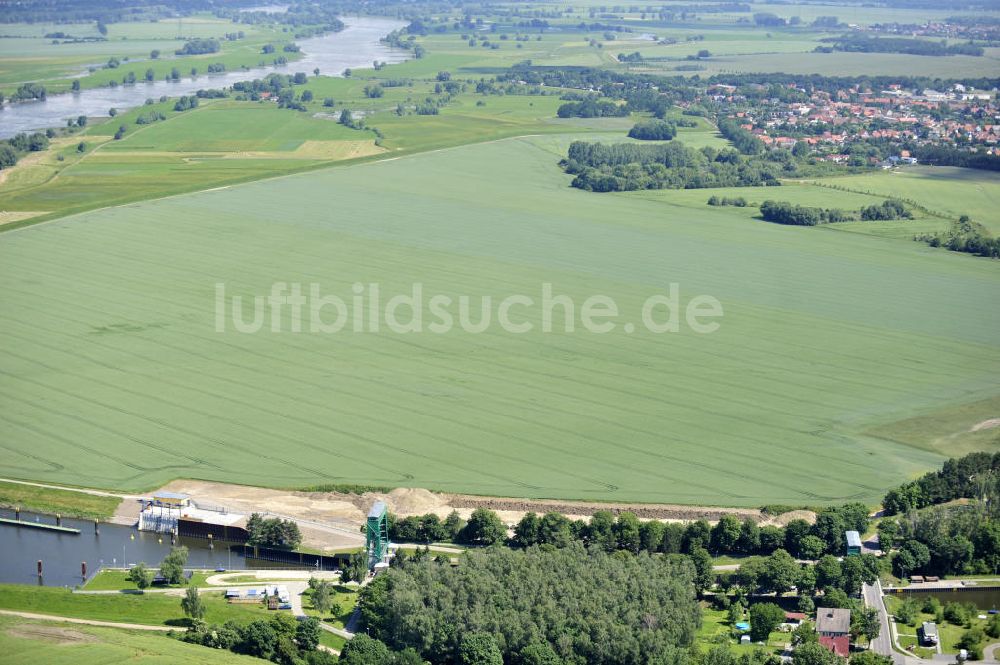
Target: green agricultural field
(115, 376)
(27, 642)
(945, 190)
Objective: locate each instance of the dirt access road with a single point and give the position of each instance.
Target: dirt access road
(332, 520)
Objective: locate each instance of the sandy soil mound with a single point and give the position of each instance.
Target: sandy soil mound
(784, 518)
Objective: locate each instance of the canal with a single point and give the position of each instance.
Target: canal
(357, 45)
(62, 553)
(985, 596)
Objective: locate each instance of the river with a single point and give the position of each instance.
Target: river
(357, 45)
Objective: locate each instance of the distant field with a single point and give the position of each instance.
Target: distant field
(114, 376)
(947, 190)
(842, 64)
(27, 642)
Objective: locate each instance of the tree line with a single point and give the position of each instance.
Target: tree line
(783, 212)
(858, 43)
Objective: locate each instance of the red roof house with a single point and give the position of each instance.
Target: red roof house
(841, 646)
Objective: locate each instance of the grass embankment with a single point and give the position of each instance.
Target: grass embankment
(114, 580)
(27, 642)
(155, 609)
(53, 501)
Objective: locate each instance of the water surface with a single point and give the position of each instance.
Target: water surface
(357, 45)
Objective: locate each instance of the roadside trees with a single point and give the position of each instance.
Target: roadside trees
(865, 623)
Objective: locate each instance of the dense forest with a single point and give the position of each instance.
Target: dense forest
(575, 604)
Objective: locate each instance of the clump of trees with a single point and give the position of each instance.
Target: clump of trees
(736, 201)
(27, 91)
(273, 532)
(198, 47)
(510, 604)
(782, 212)
(967, 236)
(280, 639)
(13, 148)
(653, 130)
(593, 108)
(149, 117)
(888, 209)
(185, 102)
(627, 166)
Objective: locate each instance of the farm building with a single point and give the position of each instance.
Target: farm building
(853, 543)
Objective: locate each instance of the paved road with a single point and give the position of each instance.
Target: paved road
(88, 622)
(872, 593)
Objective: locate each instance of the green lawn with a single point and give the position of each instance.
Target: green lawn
(825, 334)
(25, 642)
(949, 633)
(150, 608)
(345, 598)
(109, 580)
(328, 639)
(44, 500)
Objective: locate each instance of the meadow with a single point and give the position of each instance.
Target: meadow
(26, 55)
(115, 376)
(45, 500)
(27, 642)
(154, 609)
